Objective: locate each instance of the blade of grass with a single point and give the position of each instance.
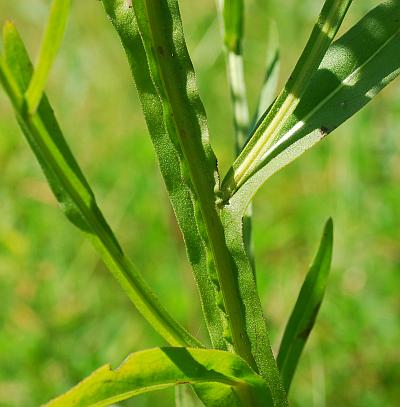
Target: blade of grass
(160, 368)
(73, 192)
(306, 309)
(51, 42)
(268, 128)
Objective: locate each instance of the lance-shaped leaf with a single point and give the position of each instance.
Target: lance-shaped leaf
(161, 69)
(72, 190)
(356, 67)
(175, 114)
(271, 77)
(306, 309)
(160, 368)
(269, 127)
(231, 16)
(172, 165)
(51, 42)
(232, 22)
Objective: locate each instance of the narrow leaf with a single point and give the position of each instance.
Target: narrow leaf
(159, 368)
(208, 250)
(251, 158)
(356, 67)
(75, 196)
(271, 77)
(233, 17)
(306, 309)
(51, 42)
(232, 22)
(172, 165)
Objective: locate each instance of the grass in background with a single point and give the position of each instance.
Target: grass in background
(59, 306)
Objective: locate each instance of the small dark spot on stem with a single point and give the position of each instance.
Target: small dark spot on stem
(160, 50)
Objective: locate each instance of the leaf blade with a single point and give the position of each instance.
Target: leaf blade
(266, 132)
(169, 158)
(165, 367)
(76, 197)
(368, 54)
(306, 308)
(50, 45)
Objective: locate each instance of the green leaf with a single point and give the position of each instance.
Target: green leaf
(51, 42)
(272, 63)
(186, 397)
(73, 192)
(306, 309)
(233, 19)
(356, 67)
(207, 249)
(159, 368)
(174, 113)
(172, 165)
(251, 159)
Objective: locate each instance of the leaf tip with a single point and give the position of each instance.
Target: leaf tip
(8, 28)
(329, 226)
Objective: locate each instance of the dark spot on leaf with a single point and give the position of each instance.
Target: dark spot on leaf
(324, 131)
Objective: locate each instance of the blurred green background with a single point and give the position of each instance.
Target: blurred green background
(62, 315)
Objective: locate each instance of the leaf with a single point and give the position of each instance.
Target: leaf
(231, 13)
(186, 397)
(251, 159)
(172, 166)
(73, 192)
(306, 309)
(356, 67)
(174, 113)
(51, 42)
(159, 368)
(233, 20)
(271, 77)
(205, 246)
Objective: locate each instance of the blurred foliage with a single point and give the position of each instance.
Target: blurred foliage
(61, 313)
